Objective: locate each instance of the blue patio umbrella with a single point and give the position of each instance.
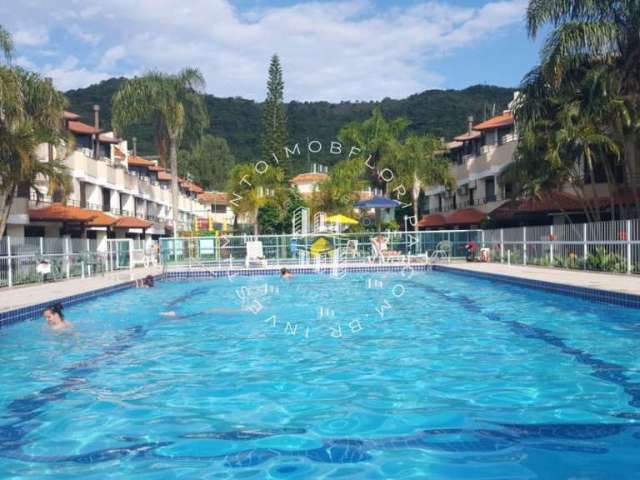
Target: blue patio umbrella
(378, 203)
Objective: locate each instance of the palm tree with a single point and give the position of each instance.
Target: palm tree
(31, 112)
(173, 103)
(591, 63)
(339, 192)
(420, 162)
(249, 190)
(376, 137)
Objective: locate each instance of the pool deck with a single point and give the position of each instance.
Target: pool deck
(27, 295)
(608, 282)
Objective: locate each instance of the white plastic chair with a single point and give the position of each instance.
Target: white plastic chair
(255, 254)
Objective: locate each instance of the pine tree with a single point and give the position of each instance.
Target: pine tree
(274, 120)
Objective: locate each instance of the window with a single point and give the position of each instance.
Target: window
(106, 199)
(215, 208)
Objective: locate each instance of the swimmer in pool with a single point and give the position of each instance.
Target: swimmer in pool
(146, 282)
(285, 273)
(55, 317)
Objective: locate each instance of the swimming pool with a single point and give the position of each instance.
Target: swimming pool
(385, 375)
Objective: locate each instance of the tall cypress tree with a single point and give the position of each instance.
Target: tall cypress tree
(274, 120)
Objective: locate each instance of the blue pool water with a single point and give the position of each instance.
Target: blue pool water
(260, 377)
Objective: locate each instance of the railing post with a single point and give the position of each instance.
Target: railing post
(175, 248)
(67, 251)
(482, 236)
(502, 245)
(629, 266)
(524, 245)
(9, 266)
(552, 239)
(41, 246)
(585, 247)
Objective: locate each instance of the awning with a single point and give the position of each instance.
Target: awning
(466, 216)
(132, 222)
(57, 212)
(101, 219)
(432, 220)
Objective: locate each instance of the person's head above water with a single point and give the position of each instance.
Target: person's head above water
(285, 273)
(148, 281)
(53, 314)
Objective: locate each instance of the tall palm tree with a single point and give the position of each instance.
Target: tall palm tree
(173, 103)
(420, 162)
(31, 112)
(590, 61)
(376, 137)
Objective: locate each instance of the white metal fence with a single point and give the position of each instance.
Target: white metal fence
(603, 246)
(20, 258)
(228, 250)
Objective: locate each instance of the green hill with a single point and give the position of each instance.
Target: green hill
(441, 112)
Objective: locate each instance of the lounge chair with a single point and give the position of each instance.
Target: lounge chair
(381, 250)
(255, 254)
(351, 249)
(442, 250)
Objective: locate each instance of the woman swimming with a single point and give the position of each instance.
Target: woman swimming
(55, 317)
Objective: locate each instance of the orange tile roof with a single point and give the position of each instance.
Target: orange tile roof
(101, 219)
(310, 177)
(503, 120)
(465, 216)
(57, 212)
(193, 187)
(432, 220)
(468, 136)
(108, 138)
(70, 115)
(156, 168)
(132, 222)
(135, 161)
(453, 145)
(82, 128)
(214, 197)
(164, 177)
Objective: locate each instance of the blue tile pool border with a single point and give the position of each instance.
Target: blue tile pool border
(34, 311)
(593, 294)
(601, 296)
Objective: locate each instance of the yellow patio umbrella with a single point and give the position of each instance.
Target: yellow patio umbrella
(341, 220)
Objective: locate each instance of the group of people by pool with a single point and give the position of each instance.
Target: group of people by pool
(55, 317)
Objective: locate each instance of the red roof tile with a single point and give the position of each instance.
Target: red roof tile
(548, 202)
(57, 212)
(465, 216)
(101, 219)
(432, 220)
(503, 120)
(156, 168)
(164, 177)
(192, 187)
(108, 138)
(82, 128)
(135, 161)
(467, 136)
(132, 222)
(220, 198)
(70, 116)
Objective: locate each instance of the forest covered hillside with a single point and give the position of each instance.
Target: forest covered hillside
(441, 112)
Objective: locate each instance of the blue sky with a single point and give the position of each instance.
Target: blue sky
(330, 49)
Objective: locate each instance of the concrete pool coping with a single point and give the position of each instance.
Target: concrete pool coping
(26, 302)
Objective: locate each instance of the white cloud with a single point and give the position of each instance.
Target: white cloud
(31, 37)
(112, 56)
(329, 50)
